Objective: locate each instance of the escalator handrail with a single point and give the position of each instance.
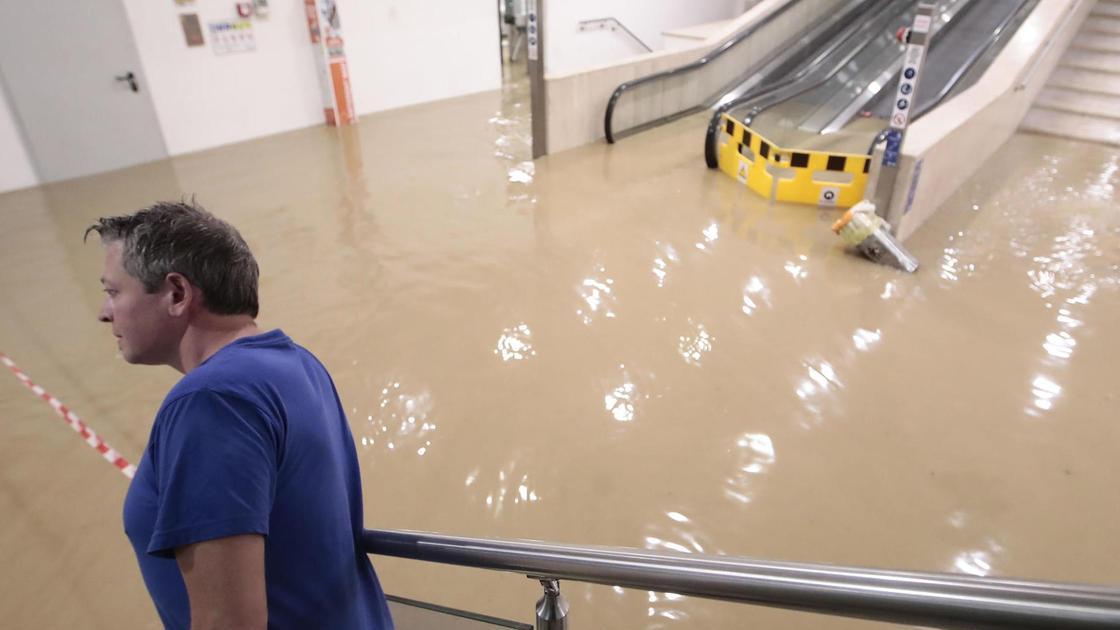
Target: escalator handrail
(801, 73)
(728, 44)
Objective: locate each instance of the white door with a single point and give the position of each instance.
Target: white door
(76, 87)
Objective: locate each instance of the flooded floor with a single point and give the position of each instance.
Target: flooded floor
(611, 346)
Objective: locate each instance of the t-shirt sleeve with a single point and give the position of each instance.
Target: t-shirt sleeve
(215, 458)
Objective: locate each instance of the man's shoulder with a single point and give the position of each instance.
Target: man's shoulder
(248, 372)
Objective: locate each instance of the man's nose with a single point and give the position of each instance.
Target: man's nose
(105, 315)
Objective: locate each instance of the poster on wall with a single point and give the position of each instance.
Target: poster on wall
(192, 29)
(232, 37)
(325, 29)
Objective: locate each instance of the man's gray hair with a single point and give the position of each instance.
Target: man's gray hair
(182, 237)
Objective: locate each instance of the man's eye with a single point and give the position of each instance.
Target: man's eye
(110, 292)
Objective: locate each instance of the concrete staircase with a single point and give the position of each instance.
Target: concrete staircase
(1082, 98)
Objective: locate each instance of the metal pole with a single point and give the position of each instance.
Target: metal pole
(537, 87)
(552, 608)
(908, 79)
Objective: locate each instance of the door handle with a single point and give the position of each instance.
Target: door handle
(131, 78)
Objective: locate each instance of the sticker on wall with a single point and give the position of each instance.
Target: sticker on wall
(184, 3)
(192, 29)
(232, 37)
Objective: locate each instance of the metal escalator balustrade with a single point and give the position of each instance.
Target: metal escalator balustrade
(730, 68)
(1009, 14)
(681, 81)
(875, 69)
(926, 599)
(976, 60)
(830, 43)
(838, 54)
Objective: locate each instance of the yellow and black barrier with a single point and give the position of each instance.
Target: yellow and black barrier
(818, 177)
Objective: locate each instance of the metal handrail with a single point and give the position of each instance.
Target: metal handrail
(927, 599)
(690, 67)
(925, 107)
(584, 25)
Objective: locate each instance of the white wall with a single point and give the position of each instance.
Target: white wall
(16, 170)
(203, 99)
(402, 52)
(399, 52)
(569, 50)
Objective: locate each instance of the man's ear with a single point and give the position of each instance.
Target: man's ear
(181, 292)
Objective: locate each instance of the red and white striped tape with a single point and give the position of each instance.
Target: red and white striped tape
(72, 419)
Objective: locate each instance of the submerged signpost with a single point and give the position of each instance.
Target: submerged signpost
(861, 227)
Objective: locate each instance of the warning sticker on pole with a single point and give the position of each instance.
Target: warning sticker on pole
(904, 100)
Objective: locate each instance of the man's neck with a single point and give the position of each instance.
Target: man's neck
(210, 333)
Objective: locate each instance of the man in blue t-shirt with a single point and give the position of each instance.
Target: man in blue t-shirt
(246, 508)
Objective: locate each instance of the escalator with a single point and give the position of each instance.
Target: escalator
(734, 70)
(830, 89)
(844, 111)
(957, 56)
(810, 141)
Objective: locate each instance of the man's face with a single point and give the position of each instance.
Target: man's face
(144, 328)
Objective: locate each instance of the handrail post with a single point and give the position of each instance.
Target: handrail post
(552, 608)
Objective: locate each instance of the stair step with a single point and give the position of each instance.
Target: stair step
(1096, 41)
(1102, 25)
(1071, 101)
(1092, 60)
(1109, 9)
(1076, 126)
(1086, 80)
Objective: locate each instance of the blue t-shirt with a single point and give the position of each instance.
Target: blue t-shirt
(255, 441)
